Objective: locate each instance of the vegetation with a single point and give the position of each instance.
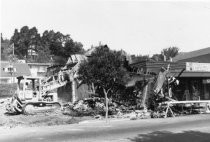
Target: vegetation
(7, 90)
(30, 45)
(167, 52)
(105, 70)
(170, 52)
(139, 58)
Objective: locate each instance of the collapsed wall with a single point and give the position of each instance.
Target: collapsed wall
(65, 92)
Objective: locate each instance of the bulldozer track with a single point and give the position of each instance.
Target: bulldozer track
(40, 107)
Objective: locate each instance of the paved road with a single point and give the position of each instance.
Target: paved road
(194, 128)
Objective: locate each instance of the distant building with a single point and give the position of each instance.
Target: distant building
(9, 71)
(38, 69)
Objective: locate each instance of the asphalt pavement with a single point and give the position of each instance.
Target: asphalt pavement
(193, 128)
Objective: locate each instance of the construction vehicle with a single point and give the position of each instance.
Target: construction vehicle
(35, 94)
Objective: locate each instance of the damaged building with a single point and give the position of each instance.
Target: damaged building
(194, 81)
(74, 90)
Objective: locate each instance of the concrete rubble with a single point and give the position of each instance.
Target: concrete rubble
(95, 107)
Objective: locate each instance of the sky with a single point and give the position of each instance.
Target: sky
(138, 27)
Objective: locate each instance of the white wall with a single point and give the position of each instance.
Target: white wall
(35, 69)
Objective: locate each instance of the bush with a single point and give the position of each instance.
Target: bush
(7, 90)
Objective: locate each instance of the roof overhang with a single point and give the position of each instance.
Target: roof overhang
(191, 74)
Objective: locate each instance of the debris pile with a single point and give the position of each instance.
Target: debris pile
(86, 107)
(96, 107)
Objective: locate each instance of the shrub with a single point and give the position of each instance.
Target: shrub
(7, 90)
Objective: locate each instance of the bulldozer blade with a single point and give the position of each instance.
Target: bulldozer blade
(14, 106)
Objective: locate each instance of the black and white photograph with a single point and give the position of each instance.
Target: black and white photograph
(105, 71)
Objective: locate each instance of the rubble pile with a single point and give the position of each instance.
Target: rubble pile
(96, 107)
(86, 107)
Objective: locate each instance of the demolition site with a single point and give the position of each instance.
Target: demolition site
(154, 89)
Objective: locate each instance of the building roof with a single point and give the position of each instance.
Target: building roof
(190, 74)
(40, 64)
(192, 54)
(175, 69)
(21, 69)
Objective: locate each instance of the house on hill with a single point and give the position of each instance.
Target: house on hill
(38, 69)
(9, 71)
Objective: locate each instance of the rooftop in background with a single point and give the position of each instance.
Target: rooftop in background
(194, 56)
(191, 69)
(40, 64)
(20, 69)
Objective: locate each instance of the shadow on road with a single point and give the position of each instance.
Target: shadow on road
(166, 136)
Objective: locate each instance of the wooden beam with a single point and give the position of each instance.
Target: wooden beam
(188, 102)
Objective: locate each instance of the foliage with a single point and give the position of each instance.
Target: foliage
(5, 48)
(7, 90)
(24, 40)
(33, 47)
(157, 57)
(104, 69)
(139, 58)
(170, 52)
(60, 46)
(167, 52)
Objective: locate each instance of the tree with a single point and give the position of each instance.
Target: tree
(157, 57)
(104, 69)
(167, 52)
(139, 58)
(60, 46)
(24, 40)
(6, 49)
(2, 38)
(31, 46)
(72, 47)
(170, 52)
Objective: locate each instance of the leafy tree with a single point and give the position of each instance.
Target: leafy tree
(157, 57)
(72, 47)
(60, 46)
(170, 52)
(139, 58)
(167, 52)
(6, 49)
(24, 40)
(2, 38)
(31, 46)
(105, 69)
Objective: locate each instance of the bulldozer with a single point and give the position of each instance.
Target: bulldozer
(35, 94)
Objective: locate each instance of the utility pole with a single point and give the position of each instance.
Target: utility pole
(12, 63)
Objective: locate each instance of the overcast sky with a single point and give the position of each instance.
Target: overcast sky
(138, 27)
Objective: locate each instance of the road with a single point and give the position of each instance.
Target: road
(194, 128)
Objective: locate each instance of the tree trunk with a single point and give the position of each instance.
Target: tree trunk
(93, 88)
(145, 96)
(73, 91)
(107, 108)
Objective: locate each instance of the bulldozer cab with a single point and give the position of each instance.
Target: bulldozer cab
(28, 88)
